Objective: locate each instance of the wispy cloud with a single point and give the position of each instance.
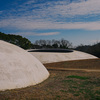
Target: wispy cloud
(1, 12)
(29, 2)
(37, 34)
(52, 15)
(52, 10)
(61, 10)
(23, 24)
(79, 8)
(47, 34)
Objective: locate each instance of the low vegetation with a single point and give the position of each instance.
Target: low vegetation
(78, 77)
(62, 85)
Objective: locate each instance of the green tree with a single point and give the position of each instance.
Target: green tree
(17, 40)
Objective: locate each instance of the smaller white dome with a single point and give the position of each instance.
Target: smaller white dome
(49, 57)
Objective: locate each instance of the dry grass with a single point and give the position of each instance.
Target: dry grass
(62, 85)
(76, 64)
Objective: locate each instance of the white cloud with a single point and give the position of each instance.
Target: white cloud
(24, 24)
(79, 8)
(49, 13)
(47, 34)
(89, 7)
(1, 12)
(36, 34)
(52, 10)
(64, 9)
(29, 2)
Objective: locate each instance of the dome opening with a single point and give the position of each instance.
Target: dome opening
(52, 50)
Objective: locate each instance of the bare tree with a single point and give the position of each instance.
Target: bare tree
(54, 43)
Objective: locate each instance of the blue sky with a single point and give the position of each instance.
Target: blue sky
(75, 20)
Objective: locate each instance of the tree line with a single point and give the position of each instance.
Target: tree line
(26, 44)
(38, 44)
(65, 44)
(91, 49)
(16, 39)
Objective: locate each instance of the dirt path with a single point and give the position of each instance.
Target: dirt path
(66, 69)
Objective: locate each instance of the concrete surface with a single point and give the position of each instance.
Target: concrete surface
(18, 68)
(49, 57)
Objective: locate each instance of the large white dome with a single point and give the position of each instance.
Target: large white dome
(18, 68)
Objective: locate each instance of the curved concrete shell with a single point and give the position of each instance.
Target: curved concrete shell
(49, 57)
(18, 68)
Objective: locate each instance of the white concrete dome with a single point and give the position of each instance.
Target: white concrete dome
(18, 68)
(50, 57)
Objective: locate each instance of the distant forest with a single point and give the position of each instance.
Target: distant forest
(39, 44)
(91, 49)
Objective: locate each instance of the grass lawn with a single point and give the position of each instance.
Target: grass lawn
(63, 84)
